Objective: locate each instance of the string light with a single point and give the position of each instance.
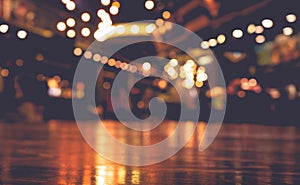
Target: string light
(61, 26)
(166, 15)
(260, 39)
(267, 23)
(146, 66)
(71, 5)
(22, 34)
(221, 39)
(287, 31)
(105, 2)
(71, 33)
(71, 22)
(149, 4)
(85, 17)
(251, 28)
(4, 28)
(291, 18)
(237, 33)
(135, 29)
(77, 51)
(114, 10)
(85, 32)
(259, 29)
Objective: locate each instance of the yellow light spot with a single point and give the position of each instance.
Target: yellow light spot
(212, 42)
(199, 84)
(116, 3)
(251, 28)
(71, 33)
(221, 39)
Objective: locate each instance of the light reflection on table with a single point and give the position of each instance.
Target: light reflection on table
(56, 153)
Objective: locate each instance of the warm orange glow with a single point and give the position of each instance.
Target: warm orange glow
(259, 29)
(104, 59)
(4, 72)
(116, 3)
(106, 85)
(39, 57)
(77, 51)
(19, 62)
(159, 22)
(111, 62)
(88, 55)
(166, 15)
(260, 39)
(162, 84)
(252, 82)
(241, 94)
(97, 58)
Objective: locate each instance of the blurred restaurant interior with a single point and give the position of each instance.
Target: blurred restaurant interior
(256, 44)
